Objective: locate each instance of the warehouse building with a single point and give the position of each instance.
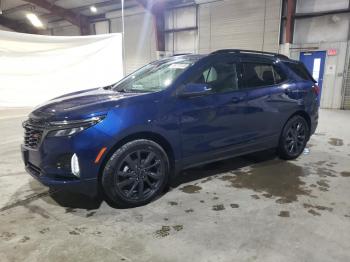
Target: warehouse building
(113, 111)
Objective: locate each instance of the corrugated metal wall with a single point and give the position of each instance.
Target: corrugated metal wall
(246, 24)
(323, 33)
(346, 88)
(140, 46)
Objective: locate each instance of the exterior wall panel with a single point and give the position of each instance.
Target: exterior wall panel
(140, 46)
(239, 24)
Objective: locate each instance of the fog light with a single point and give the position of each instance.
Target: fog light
(74, 164)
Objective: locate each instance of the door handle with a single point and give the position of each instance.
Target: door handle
(236, 100)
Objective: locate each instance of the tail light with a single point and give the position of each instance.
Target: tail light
(316, 89)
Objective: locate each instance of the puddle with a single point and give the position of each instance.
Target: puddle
(190, 189)
(313, 212)
(323, 183)
(284, 214)
(335, 141)
(234, 205)
(275, 178)
(178, 227)
(345, 174)
(324, 172)
(218, 207)
(172, 203)
(163, 232)
(189, 210)
(318, 207)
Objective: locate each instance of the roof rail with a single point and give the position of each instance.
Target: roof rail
(182, 54)
(242, 51)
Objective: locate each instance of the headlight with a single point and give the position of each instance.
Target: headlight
(69, 128)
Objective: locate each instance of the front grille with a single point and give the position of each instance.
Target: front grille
(32, 135)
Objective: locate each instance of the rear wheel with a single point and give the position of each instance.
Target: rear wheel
(294, 137)
(136, 173)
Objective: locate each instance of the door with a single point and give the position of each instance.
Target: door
(314, 62)
(267, 105)
(213, 125)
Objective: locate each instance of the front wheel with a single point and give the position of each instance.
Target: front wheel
(136, 173)
(294, 137)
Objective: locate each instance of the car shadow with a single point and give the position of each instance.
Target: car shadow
(74, 200)
(71, 200)
(223, 166)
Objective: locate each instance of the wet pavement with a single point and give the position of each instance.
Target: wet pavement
(250, 208)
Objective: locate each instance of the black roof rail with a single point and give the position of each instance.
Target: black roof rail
(182, 54)
(240, 51)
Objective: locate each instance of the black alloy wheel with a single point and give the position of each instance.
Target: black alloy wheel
(294, 138)
(139, 174)
(136, 173)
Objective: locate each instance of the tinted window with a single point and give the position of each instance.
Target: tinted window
(258, 75)
(221, 77)
(300, 70)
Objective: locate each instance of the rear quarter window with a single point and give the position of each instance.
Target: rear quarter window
(300, 70)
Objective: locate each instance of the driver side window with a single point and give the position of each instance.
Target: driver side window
(221, 77)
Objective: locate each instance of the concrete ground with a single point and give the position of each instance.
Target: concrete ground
(252, 208)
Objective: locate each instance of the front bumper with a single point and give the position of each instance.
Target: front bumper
(83, 186)
(50, 163)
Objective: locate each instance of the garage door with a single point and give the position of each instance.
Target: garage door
(246, 24)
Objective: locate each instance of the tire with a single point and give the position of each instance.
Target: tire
(294, 137)
(137, 166)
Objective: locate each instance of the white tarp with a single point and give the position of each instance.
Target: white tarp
(35, 68)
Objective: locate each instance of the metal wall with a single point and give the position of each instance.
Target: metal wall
(140, 44)
(246, 24)
(324, 33)
(346, 86)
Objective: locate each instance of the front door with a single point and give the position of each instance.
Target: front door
(213, 125)
(314, 62)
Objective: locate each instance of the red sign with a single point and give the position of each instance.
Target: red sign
(332, 52)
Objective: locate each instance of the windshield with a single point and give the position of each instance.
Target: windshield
(153, 77)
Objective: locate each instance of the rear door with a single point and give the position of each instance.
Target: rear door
(266, 101)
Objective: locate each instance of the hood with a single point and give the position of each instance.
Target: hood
(78, 105)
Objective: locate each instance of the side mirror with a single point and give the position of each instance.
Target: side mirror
(193, 90)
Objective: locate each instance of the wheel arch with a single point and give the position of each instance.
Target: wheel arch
(155, 137)
(303, 114)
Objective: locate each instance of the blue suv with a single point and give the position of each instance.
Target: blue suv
(132, 138)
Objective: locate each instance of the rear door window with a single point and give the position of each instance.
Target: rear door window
(261, 74)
